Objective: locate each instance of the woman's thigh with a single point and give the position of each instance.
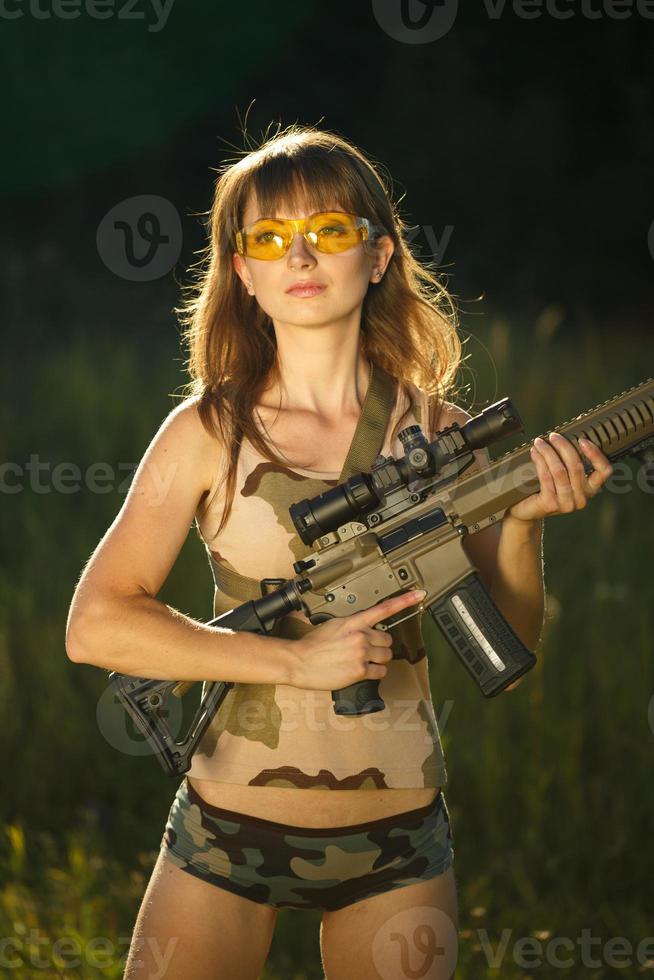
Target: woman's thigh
(187, 927)
(405, 932)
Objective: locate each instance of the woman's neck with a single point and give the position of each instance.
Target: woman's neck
(328, 395)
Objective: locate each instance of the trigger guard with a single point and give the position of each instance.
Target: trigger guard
(319, 618)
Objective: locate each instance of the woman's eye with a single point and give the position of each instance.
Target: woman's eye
(332, 229)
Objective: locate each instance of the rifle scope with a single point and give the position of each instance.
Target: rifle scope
(349, 501)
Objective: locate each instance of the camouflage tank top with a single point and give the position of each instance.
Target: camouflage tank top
(283, 736)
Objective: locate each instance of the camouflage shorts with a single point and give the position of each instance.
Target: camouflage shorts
(302, 867)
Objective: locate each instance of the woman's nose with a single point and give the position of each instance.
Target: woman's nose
(299, 249)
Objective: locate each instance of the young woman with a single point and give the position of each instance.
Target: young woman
(310, 321)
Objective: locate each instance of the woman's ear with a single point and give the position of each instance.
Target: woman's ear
(242, 272)
(383, 252)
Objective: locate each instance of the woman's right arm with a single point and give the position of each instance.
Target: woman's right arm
(115, 621)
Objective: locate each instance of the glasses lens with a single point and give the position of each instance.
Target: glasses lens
(333, 231)
(267, 239)
(328, 231)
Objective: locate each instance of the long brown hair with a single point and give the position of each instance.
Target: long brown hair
(408, 319)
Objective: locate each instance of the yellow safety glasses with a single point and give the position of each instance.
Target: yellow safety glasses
(328, 231)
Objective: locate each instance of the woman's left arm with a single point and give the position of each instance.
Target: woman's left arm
(510, 556)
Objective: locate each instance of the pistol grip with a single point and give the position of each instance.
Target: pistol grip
(361, 698)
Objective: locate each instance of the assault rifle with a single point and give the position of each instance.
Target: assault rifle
(399, 528)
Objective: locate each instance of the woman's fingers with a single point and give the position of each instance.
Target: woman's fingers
(386, 608)
(548, 489)
(377, 637)
(561, 473)
(601, 463)
(571, 474)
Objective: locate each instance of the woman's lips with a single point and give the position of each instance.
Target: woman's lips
(304, 292)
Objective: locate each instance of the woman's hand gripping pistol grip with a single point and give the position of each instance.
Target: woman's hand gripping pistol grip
(348, 655)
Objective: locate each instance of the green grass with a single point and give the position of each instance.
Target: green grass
(549, 791)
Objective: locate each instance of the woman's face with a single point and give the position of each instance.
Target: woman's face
(345, 275)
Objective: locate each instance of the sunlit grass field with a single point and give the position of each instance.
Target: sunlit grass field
(549, 791)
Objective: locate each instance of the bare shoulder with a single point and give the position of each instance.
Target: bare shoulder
(186, 416)
(138, 550)
(190, 437)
